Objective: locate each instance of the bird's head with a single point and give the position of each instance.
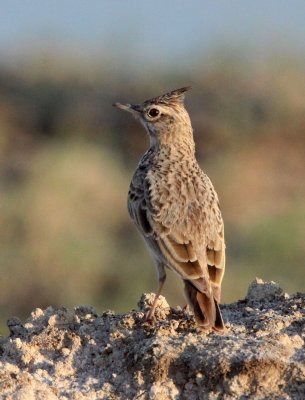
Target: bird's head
(164, 117)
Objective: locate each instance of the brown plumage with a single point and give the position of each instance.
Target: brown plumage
(176, 209)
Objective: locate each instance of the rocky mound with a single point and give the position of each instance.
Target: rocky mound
(61, 354)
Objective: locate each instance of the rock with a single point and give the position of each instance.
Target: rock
(62, 354)
(260, 290)
(147, 299)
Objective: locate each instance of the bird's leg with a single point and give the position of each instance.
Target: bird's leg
(150, 315)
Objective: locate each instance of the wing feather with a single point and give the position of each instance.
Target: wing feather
(192, 246)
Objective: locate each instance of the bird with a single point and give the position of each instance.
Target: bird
(176, 209)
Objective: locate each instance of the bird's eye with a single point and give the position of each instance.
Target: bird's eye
(153, 112)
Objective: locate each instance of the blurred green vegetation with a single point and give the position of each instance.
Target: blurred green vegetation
(66, 159)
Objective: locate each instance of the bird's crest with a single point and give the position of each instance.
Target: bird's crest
(173, 97)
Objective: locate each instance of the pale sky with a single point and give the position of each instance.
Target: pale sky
(167, 29)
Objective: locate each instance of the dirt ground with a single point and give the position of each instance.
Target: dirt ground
(62, 354)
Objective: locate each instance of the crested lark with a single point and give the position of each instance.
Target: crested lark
(176, 209)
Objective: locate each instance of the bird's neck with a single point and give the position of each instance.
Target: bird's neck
(174, 152)
(176, 142)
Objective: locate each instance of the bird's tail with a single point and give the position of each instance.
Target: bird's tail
(206, 308)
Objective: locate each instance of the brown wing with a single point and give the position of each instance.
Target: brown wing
(193, 259)
(189, 242)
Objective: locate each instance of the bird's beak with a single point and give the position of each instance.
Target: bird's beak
(134, 109)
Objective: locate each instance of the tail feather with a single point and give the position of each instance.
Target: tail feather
(206, 308)
(219, 325)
